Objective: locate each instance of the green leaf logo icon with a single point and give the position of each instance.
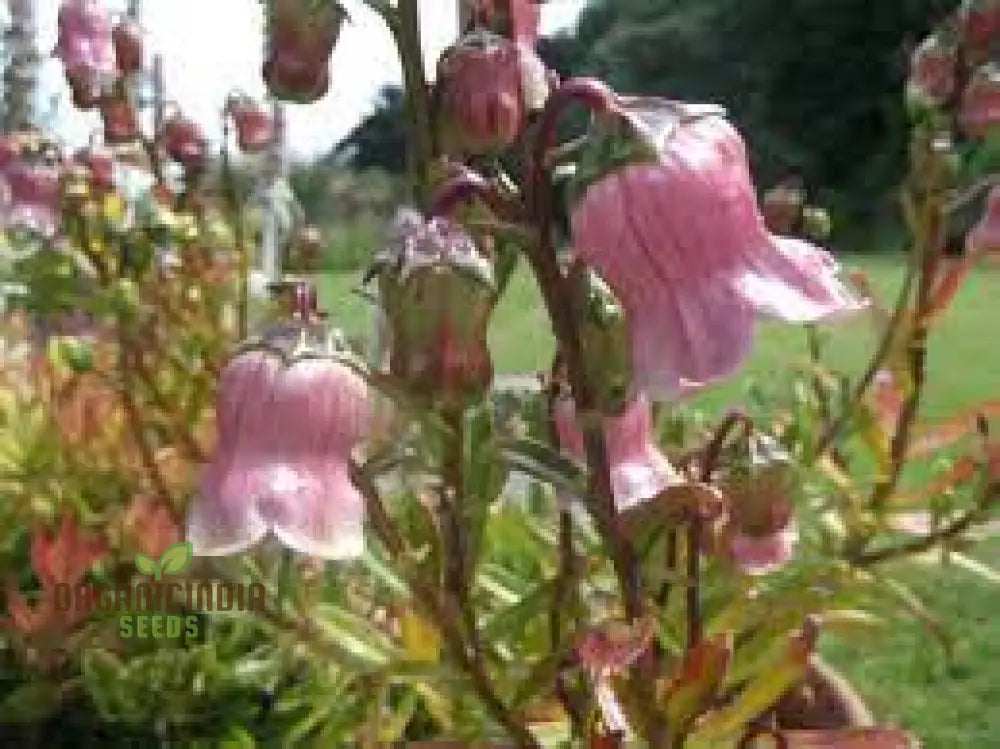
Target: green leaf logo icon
(174, 561)
(176, 558)
(146, 565)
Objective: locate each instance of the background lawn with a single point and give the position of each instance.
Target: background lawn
(903, 672)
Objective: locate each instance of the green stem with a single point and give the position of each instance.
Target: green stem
(404, 24)
(236, 215)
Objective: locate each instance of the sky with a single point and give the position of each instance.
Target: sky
(212, 47)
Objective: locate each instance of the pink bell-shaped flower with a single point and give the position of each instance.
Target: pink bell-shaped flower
(31, 197)
(254, 129)
(933, 70)
(86, 49)
(981, 102)
(639, 471)
(489, 85)
(668, 216)
(761, 532)
(285, 436)
(514, 19)
(301, 37)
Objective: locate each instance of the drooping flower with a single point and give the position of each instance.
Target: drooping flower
(281, 464)
(668, 215)
(127, 40)
(301, 38)
(979, 26)
(639, 471)
(86, 49)
(31, 196)
(981, 102)
(489, 85)
(933, 70)
(438, 293)
(254, 129)
(121, 122)
(514, 19)
(184, 142)
(761, 530)
(100, 162)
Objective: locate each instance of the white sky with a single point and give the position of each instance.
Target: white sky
(211, 47)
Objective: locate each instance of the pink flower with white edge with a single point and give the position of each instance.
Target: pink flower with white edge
(981, 102)
(281, 465)
(639, 471)
(31, 197)
(488, 86)
(667, 213)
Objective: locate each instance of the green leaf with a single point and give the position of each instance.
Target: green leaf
(30, 702)
(238, 738)
(542, 462)
(392, 727)
(760, 694)
(146, 565)
(355, 636)
(176, 558)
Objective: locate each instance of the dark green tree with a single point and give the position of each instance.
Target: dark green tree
(379, 140)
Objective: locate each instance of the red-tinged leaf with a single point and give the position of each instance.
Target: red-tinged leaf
(850, 738)
(64, 556)
(962, 471)
(150, 527)
(21, 617)
(761, 693)
(930, 438)
(702, 674)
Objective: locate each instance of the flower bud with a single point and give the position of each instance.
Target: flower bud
(979, 25)
(301, 37)
(33, 197)
(816, 223)
(933, 70)
(101, 165)
(760, 488)
(85, 47)
(121, 125)
(185, 143)
(254, 129)
(438, 295)
(488, 87)
(981, 102)
(127, 40)
(782, 208)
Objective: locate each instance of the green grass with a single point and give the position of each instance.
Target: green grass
(903, 673)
